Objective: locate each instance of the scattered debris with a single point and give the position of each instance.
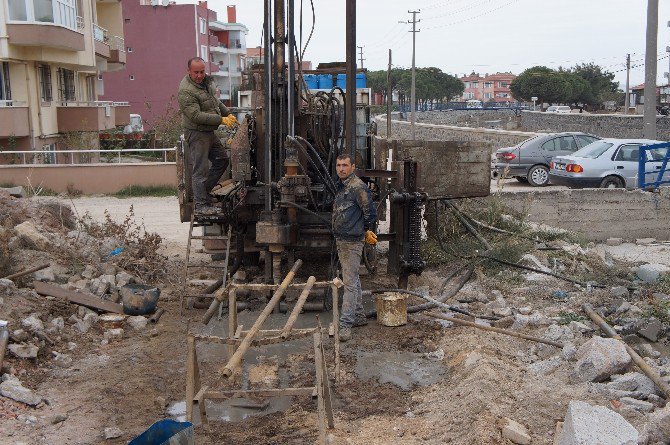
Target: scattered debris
(515, 432)
(112, 433)
(12, 388)
(585, 424)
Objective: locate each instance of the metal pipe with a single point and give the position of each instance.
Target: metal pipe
(235, 360)
(639, 361)
(291, 70)
(268, 106)
(350, 111)
(280, 78)
(298, 307)
(492, 329)
(157, 315)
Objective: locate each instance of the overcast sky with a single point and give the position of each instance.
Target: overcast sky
(485, 36)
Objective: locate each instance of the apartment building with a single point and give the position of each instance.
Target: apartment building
(160, 37)
(488, 88)
(228, 51)
(51, 55)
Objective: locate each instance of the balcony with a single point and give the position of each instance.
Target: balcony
(222, 71)
(220, 48)
(101, 39)
(14, 118)
(86, 116)
(121, 113)
(117, 50)
(45, 35)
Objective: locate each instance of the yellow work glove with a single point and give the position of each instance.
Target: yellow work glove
(370, 238)
(229, 121)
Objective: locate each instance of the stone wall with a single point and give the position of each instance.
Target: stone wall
(500, 119)
(431, 132)
(603, 125)
(598, 214)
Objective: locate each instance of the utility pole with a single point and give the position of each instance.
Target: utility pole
(412, 102)
(361, 55)
(627, 96)
(389, 99)
(649, 119)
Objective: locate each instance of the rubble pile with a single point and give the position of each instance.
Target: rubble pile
(46, 331)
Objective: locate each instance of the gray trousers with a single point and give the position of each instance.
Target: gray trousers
(205, 147)
(350, 253)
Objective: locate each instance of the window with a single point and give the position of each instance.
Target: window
(132, 77)
(488, 95)
(203, 26)
(583, 141)
(203, 52)
(66, 88)
(488, 84)
(628, 153)
(564, 143)
(58, 12)
(90, 88)
(594, 150)
(44, 74)
(503, 84)
(5, 87)
(130, 49)
(49, 154)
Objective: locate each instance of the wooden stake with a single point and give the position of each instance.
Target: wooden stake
(298, 307)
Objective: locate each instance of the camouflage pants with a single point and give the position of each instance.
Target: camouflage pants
(350, 253)
(205, 147)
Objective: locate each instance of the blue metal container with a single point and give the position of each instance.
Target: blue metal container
(325, 81)
(166, 432)
(342, 81)
(361, 80)
(312, 81)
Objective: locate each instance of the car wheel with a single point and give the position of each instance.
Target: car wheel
(611, 182)
(521, 179)
(538, 176)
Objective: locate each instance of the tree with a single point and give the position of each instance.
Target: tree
(544, 83)
(601, 83)
(378, 83)
(432, 85)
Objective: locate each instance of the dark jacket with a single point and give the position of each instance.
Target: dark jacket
(354, 211)
(200, 109)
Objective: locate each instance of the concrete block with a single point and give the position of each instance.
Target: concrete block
(588, 425)
(650, 273)
(598, 359)
(614, 241)
(652, 330)
(515, 432)
(633, 381)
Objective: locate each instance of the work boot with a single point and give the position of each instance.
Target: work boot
(204, 209)
(360, 320)
(345, 334)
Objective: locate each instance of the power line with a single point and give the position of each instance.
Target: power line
(473, 17)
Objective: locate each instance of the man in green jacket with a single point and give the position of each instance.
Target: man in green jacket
(202, 113)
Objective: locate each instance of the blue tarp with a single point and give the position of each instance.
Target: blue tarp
(166, 432)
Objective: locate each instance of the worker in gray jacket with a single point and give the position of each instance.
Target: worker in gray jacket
(354, 217)
(202, 113)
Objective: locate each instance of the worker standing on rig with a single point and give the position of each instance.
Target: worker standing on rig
(354, 215)
(202, 113)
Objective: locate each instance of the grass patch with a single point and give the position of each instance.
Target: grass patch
(133, 191)
(565, 318)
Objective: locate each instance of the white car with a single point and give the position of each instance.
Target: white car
(561, 109)
(607, 163)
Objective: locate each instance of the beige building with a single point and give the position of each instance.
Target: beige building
(51, 55)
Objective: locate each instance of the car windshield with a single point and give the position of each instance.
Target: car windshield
(593, 150)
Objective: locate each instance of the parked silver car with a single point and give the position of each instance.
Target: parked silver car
(608, 163)
(529, 161)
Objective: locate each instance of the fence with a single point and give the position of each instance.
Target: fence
(51, 157)
(657, 153)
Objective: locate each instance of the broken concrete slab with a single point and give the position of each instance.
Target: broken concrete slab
(650, 273)
(137, 322)
(652, 330)
(13, 389)
(587, 425)
(614, 241)
(599, 358)
(31, 235)
(23, 350)
(657, 428)
(638, 405)
(16, 192)
(112, 433)
(515, 432)
(19, 336)
(45, 275)
(619, 292)
(633, 381)
(89, 272)
(645, 241)
(32, 323)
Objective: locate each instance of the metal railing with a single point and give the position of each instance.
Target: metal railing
(118, 155)
(117, 43)
(100, 34)
(80, 22)
(91, 103)
(13, 103)
(658, 153)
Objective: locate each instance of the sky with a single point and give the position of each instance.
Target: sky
(484, 36)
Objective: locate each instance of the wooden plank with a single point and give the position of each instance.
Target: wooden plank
(327, 397)
(88, 300)
(320, 404)
(222, 395)
(190, 376)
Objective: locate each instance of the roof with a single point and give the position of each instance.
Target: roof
(215, 25)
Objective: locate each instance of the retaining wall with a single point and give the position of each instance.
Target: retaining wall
(598, 214)
(603, 125)
(431, 132)
(90, 179)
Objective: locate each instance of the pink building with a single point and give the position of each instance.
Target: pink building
(160, 37)
(490, 87)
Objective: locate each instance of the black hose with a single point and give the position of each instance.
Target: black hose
(316, 154)
(305, 209)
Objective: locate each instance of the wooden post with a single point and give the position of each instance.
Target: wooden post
(336, 329)
(320, 405)
(232, 319)
(235, 360)
(298, 307)
(192, 376)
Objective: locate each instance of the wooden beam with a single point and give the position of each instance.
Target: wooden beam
(80, 298)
